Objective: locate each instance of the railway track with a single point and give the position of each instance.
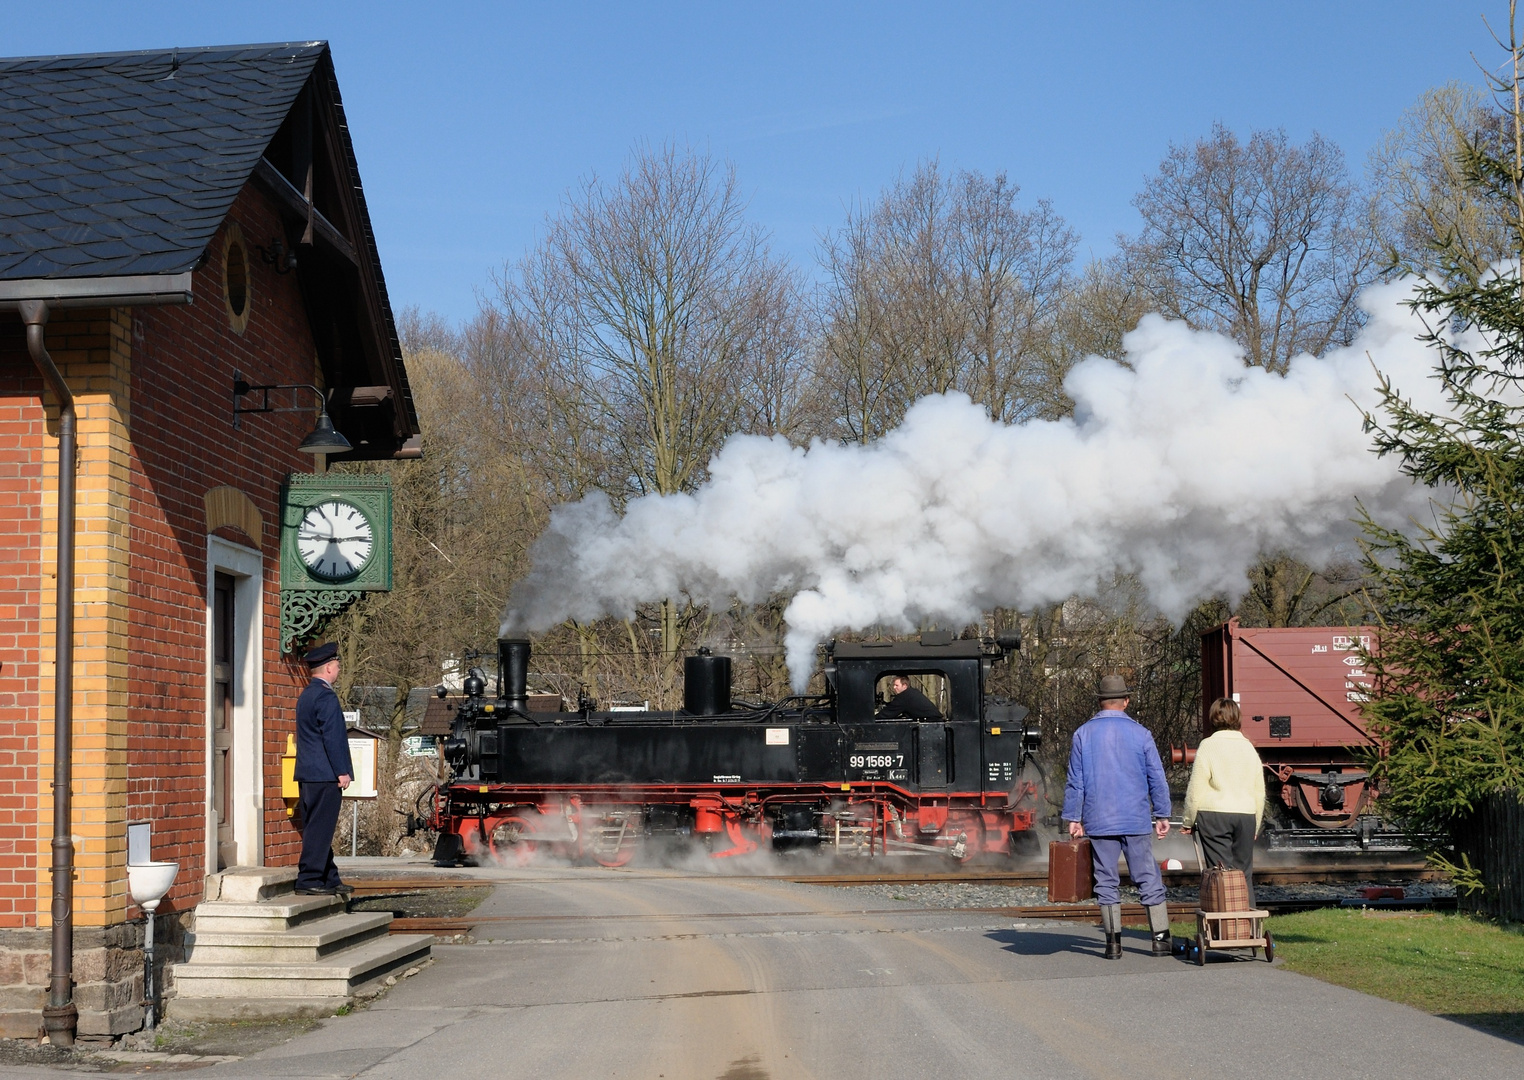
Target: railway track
(1132, 914)
(1408, 870)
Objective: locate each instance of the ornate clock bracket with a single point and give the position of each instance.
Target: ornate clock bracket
(303, 611)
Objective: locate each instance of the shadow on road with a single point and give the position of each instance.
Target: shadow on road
(1044, 943)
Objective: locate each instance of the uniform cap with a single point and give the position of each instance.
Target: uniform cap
(322, 654)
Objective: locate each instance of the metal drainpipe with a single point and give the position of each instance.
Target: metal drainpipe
(60, 1017)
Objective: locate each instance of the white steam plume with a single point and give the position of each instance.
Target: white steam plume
(1180, 470)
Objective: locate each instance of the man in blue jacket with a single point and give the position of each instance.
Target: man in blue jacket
(323, 770)
(1116, 783)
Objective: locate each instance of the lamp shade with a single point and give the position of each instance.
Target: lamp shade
(324, 439)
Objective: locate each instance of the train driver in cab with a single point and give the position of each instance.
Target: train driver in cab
(908, 703)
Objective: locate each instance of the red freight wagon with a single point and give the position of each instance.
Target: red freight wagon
(1300, 690)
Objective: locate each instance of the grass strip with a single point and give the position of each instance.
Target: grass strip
(1460, 967)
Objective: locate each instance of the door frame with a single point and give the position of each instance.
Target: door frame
(246, 567)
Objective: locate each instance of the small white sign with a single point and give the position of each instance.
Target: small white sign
(777, 736)
(419, 746)
(362, 754)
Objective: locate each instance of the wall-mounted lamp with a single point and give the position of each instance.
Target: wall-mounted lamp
(279, 254)
(324, 439)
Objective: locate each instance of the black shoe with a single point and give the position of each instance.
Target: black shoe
(1113, 946)
(317, 892)
(1161, 943)
(346, 891)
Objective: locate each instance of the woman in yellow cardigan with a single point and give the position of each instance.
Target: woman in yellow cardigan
(1225, 800)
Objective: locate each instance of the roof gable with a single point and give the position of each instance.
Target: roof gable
(118, 169)
(126, 163)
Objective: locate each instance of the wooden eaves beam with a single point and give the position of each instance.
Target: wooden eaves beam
(296, 203)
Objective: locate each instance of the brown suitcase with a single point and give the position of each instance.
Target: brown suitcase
(1071, 874)
(1227, 890)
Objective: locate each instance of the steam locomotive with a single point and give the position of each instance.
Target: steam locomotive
(832, 773)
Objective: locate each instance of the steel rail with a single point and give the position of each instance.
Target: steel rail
(1332, 873)
(1132, 914)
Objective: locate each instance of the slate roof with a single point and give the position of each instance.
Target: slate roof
(126, 163)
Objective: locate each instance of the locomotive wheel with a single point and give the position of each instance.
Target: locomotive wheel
(612, 845)
(1269, 947)
(509, 843)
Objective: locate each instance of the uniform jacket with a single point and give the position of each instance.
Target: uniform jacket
(322, 745)
(1227, 778)
(1116, 781)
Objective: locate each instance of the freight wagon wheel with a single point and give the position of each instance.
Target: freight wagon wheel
(1269, 947)
(509, 842)
(1343, 821)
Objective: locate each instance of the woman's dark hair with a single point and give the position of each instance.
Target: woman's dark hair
(1224, 715)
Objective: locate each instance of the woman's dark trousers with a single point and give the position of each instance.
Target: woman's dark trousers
(1228, 840)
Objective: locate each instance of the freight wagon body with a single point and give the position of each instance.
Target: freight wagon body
(1300, 690)
(830, 773)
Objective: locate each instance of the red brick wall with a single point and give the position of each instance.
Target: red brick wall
(184, 443)
(21, 431)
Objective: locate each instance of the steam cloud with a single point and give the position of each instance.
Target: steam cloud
(1180, 470)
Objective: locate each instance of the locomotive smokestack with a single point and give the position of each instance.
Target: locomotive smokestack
(706, 684)
(513, 672)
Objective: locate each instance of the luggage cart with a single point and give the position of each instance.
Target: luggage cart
(1209, 927)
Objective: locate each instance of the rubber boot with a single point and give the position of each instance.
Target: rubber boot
(1111, 922)
(1158, 924)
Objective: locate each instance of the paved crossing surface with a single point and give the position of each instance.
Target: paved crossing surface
(584, 973)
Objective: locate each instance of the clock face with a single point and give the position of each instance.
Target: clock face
(335, 540)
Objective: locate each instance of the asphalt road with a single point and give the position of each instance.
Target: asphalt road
(652, 975)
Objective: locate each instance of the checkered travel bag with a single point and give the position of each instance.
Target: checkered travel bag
(1227, 890)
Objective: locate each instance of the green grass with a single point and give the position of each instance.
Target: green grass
(1463, 968)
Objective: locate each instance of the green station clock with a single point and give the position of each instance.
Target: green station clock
(335, 543)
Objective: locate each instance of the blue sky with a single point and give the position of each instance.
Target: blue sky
(472, 120)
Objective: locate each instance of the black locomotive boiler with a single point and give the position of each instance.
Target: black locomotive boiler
(835, 773)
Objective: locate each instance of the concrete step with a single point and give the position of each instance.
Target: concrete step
(279, 913)
(307, 942)
(338, 975)
(250, 884)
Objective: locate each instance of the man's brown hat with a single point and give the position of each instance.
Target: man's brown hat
(1112, 687)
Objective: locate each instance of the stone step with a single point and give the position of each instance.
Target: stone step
(304, 943)
(250, 884)
(279, 913)
(339, 975)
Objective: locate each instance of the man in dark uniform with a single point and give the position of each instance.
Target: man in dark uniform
(323, 770)
(908, 703)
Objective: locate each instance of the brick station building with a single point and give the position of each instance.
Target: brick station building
(167, 219)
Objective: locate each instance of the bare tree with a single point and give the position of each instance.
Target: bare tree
(658, 324)
(944, 284)
(1424, 204)
(654, 305)
(1263, 241)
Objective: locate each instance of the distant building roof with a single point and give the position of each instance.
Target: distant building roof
(119, 164)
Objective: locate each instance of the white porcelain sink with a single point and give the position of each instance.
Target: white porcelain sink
(148, 882)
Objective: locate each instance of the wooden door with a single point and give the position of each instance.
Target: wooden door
(223, 694)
